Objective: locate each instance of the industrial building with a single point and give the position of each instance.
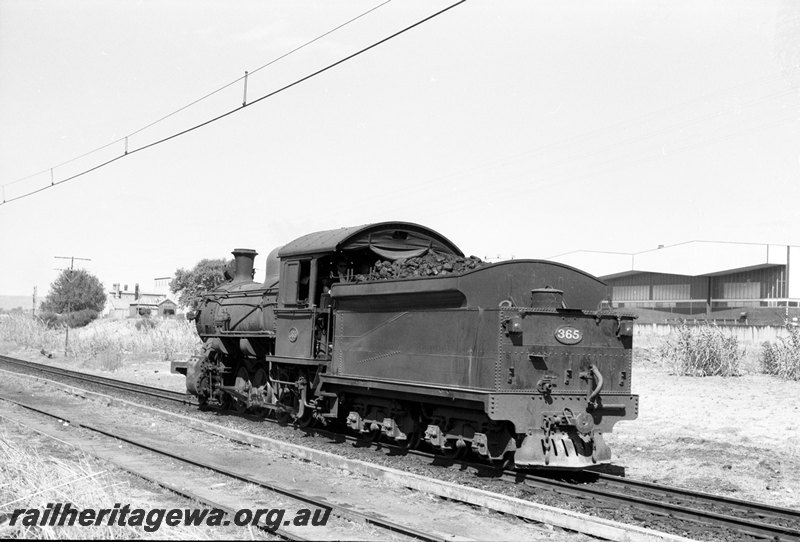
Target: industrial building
(697, 277)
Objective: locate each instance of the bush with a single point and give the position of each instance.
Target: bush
(81, 318)
(783, 358)
(51, 320)
(702, 351)
(73, 319)
(145, 324)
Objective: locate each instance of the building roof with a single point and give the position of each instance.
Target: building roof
(692, 258)
(123, 302)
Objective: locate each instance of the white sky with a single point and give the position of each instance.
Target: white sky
(523, 129)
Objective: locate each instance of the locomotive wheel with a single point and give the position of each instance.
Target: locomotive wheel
(259, 384)
(241, 385)
(307, 420)
(204, 391)
(226, 402)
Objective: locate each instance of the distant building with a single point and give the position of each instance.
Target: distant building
(124, 303)
(167, 308)
(697, 276)
(161, 285)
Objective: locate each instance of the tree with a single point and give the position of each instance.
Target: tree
(206, 275)
(76, 291)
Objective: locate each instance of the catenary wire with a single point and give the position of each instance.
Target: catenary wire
(198, 100)
(239, 108)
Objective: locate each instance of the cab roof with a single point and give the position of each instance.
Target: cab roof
(391, 240)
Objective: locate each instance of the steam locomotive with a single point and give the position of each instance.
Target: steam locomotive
(519, 360)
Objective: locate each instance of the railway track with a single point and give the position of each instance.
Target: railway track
(684, 510)
(113, 383)
(667, 508)
(695, 511)
(163, 450)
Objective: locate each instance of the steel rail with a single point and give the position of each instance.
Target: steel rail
(759, 509)
(340, 511)
(183, 492)
(694, 512)
(140, 389)
(697, 511)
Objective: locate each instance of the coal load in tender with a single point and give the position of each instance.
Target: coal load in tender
(429, 265)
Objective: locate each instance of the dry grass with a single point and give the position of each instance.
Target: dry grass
(30, 332)
(782, 359)
(702, 351)
(31, 480)
(106, 344)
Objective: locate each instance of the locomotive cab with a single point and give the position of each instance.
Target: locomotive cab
(312, 266)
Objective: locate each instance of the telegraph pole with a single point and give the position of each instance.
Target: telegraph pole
(68, 275)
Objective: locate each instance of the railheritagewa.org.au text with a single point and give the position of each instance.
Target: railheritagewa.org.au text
(64, 514)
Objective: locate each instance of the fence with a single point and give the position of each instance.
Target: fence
(646, 335)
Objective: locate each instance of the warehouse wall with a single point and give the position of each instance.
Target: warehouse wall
(794, 272)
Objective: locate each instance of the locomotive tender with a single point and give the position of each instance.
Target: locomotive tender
(518, 360)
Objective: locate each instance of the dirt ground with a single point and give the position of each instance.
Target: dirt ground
(735, 436)
(111, 486)
(440, 517)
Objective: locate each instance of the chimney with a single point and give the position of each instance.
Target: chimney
(136, 292)
(243, 264)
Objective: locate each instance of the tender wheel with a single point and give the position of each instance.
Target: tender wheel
(370, 437)
(412, 441)
(455, 452)
(501, 463)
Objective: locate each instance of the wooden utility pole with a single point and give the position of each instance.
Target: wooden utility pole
(68, 275)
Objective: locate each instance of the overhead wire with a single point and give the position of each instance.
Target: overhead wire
(128, 152)
(202, 98)
(302, 79)
(263, 66)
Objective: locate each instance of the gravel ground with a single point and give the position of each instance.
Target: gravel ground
(732, 436)
(118, 486)
(442, 517)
